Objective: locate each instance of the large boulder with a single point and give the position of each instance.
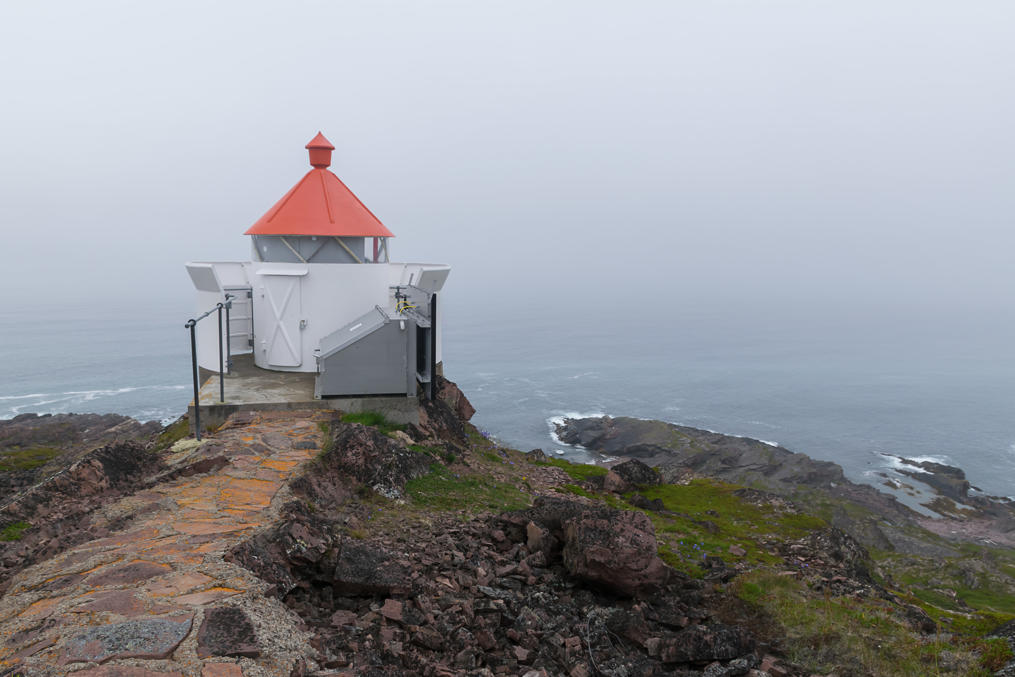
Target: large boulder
(373, 458)
(368, 569)
(443, 419)
(302, 546)
(449, 393)
(700, 643)
(630, 475)
(617, 551)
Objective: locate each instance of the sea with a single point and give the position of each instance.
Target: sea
(846, 390)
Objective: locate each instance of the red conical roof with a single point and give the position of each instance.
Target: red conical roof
(320, 204)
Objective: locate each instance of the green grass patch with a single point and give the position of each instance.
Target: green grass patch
(708, 518)
(26, 459)
(172, 433)
(327, 440)
(578, 471)
(373, 419)
(824, 633)
(442, 489)
(13, 532)
(987, 599)
(978, 580)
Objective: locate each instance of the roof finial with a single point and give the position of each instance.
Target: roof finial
(320, 151)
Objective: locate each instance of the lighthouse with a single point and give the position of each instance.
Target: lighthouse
(320, 295)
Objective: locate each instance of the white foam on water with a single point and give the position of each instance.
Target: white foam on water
(61, 403)
(895, 462)
(765, 425)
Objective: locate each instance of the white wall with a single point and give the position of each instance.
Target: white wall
(327, 297)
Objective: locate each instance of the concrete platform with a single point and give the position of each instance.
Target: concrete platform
(250, 388)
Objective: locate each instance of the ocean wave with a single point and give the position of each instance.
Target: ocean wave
(765, 425)
(896, 462)
(64, 402)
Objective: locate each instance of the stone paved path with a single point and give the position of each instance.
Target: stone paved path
(158, 598)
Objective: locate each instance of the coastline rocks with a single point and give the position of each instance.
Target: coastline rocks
(947, 480)
(736, 459)
(33, 447)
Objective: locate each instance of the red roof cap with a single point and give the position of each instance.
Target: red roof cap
(320, 151)
(320, 204)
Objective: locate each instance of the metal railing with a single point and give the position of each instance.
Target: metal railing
(224, 358)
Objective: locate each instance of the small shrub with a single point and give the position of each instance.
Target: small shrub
(374, 420)
(328, 442)
(172, 433)
(13, 532)
(995, 654)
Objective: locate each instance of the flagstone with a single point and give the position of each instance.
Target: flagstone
(219, 526)
(206, 596)
(123, 602)
(133, 572)
(124, 671)
(149, 574)
(221, 670)
(42, 608)
(142, 638)
(226, 631)
(178, 583)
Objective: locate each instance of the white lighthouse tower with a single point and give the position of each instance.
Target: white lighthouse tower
(321, 296)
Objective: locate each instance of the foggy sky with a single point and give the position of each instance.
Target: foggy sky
(756, 157)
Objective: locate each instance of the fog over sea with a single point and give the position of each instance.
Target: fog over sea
(842, 388)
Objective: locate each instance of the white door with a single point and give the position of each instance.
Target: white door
(281, 300)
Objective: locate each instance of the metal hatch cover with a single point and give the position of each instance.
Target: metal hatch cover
(352, 332)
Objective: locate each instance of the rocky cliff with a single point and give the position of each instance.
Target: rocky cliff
(305, 543)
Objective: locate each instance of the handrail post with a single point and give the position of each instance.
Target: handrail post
(191, 324)
(229, 347)
(222, 375)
